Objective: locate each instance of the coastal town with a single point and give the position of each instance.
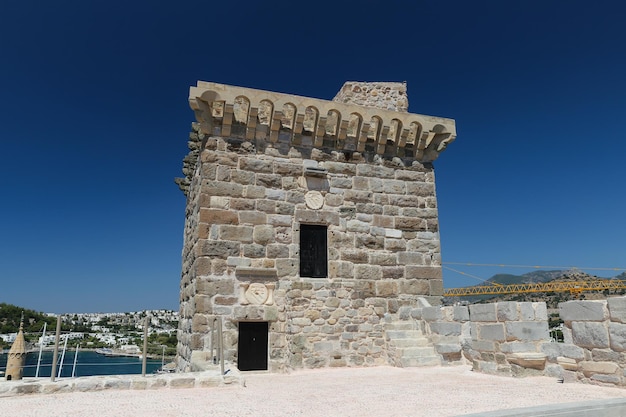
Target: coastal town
(116, 332)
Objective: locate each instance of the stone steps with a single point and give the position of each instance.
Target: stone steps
(402, 334)
(400, 325)
(413, 342)
(415, 362)
(408, 347)
(417, 351)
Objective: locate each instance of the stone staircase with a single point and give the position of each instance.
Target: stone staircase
(407, 345)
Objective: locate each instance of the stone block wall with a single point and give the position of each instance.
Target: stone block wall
(261, 164)
(503, 338)
(511, 338)
(506, 337)
(448, 329)
(595, 341)
(243, 227)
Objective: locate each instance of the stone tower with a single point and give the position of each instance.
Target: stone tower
(17, 356)
(309, 224)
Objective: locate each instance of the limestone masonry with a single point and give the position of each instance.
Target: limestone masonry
(309, 225)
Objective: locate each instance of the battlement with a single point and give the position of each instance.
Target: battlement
(286, 120)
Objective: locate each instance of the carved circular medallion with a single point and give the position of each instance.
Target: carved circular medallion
(314, 200)
(256, 293)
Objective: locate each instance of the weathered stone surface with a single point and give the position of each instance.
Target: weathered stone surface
(461, 313)
(216, 216)
(432, 314)
(617, 309)
(212, 287)
(584, 310)
(88, 384)
(391, 96)
(386, 288)
(368, 272)
(567, 363)
(423, 272)
(617, 336)
(436, 287)
(527, 330)
(236, 233)
(491, 332)
(605, 355)
(414, 286)
(219, 249)
(590, 334)
(182, 382)
(610, 379)
(483, 312)
(541, 311)
(445, 328)
(517, 347)
(589, 368)
(443, 348)
(24, 389)
(115, 383)
(411, 223)
(483, 345)
(554, 350)
(252, 217)
(532, 360)
(507, 311)
(256, 165)
(263, 234)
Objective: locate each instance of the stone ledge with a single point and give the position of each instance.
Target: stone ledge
(532, 360)
(256, 274)
(204, 379)
(251, 114)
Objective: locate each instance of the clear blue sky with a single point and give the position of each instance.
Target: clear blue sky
(94, 122)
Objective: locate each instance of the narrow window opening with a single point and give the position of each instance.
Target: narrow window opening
(313, 251)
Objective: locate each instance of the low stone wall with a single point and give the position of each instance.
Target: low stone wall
(512, 338)
(448, 328)
(595, 341)
(504, 338)
(205, 379)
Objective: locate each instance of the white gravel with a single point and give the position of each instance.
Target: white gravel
(380, 391)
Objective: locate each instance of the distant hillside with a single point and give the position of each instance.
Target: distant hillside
(530, 277)
(620, 276)
(33, 320)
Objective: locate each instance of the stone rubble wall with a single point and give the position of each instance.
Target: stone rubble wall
(512, 338)
(245, 205)
(382, 95)
(595, 341)
(499, 338)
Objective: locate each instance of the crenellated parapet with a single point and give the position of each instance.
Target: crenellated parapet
(285, 120)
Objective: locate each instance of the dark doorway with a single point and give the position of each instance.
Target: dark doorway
(313, 251)
(252, 346)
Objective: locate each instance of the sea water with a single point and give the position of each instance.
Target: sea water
(87, 363)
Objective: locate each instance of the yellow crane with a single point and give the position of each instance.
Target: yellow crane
(573, 287)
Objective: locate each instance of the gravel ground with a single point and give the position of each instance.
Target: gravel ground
(380, 391)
